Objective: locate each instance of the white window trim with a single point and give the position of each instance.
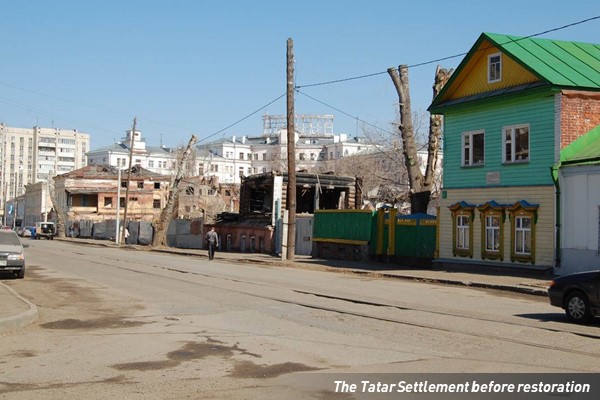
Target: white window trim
(462, 154)
(495, 230)
(462, 232)
(513, 128)
(489, 65)
(526, 232)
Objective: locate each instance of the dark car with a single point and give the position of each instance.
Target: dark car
(12, 257)
(578, 294)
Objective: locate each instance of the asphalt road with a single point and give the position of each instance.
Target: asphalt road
(140, 325)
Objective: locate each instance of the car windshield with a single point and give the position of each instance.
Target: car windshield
(9, 238)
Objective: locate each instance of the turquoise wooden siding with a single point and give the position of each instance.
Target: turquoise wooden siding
(491, 117)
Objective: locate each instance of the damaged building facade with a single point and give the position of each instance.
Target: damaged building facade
(258, 226)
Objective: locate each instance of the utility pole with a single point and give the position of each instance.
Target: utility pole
(291, 154)
(128, 181)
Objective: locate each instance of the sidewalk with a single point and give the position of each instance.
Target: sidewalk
(16, 312)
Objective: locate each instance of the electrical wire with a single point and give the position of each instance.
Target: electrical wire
(449, 57)
(242, 119)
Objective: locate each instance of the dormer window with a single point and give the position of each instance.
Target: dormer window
(494, 68)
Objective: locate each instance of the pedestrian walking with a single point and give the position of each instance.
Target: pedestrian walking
(212, 239)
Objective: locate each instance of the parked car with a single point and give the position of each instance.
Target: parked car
(578, 294)
(12, 257)
(24, 231)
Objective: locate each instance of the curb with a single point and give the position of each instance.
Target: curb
(22, 319)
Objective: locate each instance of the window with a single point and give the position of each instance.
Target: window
(492, 232)
(523, 218)
(108, 202)
(140, 184)
(189, 190)
(516, 143)
(462, 232)
(523, 236)
(124, 184)
(156, 203)
(473, 148)
(156, 185)
(462, 222)
(494, 68)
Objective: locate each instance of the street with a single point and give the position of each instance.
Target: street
(121, 323)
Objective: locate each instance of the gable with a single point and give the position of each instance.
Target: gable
(526, 63)
(472, 79)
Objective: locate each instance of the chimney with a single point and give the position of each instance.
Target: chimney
(244, 139)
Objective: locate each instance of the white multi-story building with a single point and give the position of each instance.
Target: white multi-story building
(316, 148)
(161, 160)
(30, 155)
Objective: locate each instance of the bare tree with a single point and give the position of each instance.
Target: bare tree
(161, 226)
(59, 210)
(421, 185)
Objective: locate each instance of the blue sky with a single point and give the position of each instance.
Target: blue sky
(187, 67)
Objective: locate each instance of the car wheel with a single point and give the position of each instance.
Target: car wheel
(577, 307)
(21, 273)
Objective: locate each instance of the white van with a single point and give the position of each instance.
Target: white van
(45, 230)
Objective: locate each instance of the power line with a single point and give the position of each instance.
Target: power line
(345, 113)
(243, 119)
(449, 57)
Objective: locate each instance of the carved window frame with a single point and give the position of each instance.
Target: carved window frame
(488, 211)
(518, 212)
(462, 210)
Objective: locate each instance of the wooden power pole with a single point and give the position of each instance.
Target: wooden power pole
(291, 154)
(131, 142)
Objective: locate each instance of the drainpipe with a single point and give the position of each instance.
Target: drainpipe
(557, 252)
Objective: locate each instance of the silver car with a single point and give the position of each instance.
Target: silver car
(12, 257)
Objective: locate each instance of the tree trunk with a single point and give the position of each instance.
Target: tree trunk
(418, 201)
(420, 185)
(61, 217)
(435, 129)
(161, 226)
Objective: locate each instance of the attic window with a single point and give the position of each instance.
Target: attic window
(494, 68)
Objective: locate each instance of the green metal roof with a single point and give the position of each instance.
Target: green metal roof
(571, 64)
(584, 150)
(562, 64)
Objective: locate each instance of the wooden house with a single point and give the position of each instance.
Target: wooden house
(509, 108)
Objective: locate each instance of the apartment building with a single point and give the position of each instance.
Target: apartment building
(30, 155)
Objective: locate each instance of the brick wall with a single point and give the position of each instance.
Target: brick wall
(579, 113)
